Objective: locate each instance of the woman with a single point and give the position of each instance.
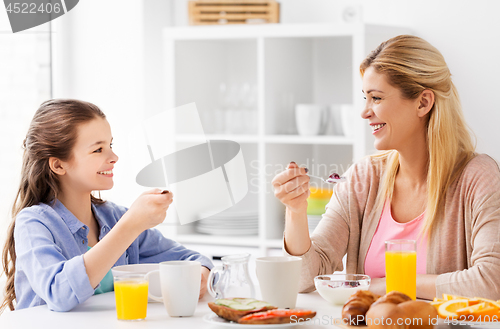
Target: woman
(428, 184)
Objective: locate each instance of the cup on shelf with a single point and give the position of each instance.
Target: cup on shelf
(334, 126)
(311, 118)
(347, 116)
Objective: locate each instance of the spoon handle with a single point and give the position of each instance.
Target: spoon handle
(330, 179)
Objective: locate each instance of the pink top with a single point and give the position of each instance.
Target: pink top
(389, 229)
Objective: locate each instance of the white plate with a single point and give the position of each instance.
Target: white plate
(214, 319)
(222, 231)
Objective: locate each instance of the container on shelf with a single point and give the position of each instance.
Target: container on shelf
(209, 12)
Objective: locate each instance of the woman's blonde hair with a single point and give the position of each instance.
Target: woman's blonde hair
(52, 133)
(413, 65)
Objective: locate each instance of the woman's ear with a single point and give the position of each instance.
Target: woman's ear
(56, 166)
(426, 102)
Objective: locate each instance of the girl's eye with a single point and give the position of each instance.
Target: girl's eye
(99, 150)
(111, 145)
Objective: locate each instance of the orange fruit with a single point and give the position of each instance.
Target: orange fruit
(466, 312)
(437, 303)
(493, 303)
(447, 310)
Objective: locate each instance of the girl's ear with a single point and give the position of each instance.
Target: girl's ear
(426, 102)
(56, 166)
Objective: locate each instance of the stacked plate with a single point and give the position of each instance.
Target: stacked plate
(230, 223)
(313, 221)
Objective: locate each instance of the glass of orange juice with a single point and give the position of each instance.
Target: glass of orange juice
(401, 267)
(131, 295)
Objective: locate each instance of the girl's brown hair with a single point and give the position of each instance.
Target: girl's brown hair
(52, 133)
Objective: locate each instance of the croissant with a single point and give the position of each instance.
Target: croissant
(357, 305)
(393, 297)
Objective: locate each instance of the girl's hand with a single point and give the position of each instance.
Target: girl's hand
(291, 187)
(149, 209)
(204, 277)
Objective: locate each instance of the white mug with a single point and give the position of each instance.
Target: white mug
(279, 279)
(180, 286)
(310, 118)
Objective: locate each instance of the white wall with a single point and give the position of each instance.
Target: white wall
(99, 57)
(467, 34)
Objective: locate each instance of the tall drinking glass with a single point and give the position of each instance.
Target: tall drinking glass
(401, 266)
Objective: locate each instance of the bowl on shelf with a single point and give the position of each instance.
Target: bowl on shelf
(337, 288)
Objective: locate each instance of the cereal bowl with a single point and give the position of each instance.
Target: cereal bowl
(337, 288)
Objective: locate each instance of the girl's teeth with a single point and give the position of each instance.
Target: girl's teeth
(105, 172)
(375, 127)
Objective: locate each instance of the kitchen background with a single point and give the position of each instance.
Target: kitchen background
(112, 53)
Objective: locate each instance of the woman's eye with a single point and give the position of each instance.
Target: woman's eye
(99, 150)
(376, 98)
(111, 145)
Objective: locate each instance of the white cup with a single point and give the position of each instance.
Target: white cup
(348, 117)
(310, 118)
(180, 286)
(279, 279)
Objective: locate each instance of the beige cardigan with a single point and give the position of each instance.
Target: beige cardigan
(465, 250)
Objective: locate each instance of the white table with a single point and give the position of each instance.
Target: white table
(99, 312)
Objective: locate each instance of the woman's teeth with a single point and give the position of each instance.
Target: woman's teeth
(109, 172)
(377, 127)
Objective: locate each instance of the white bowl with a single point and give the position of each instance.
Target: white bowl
(337, 288)
(154, 281)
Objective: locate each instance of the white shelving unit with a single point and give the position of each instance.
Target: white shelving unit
(314, 63)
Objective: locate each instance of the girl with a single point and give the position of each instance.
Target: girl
(63, 241)
(428, 185)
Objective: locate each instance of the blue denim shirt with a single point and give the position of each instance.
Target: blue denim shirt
(50, 242)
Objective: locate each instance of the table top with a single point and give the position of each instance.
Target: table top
(99, 312)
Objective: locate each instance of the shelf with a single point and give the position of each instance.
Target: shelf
(297, 139)
(278, 139)
(204, 138)
(263, 30)
(246, 241)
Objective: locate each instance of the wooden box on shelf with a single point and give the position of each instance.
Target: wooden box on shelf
(209, 12)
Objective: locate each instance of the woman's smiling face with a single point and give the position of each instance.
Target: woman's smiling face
(394, 120)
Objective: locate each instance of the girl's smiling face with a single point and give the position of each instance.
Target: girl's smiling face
(91, 167)
(395, 121)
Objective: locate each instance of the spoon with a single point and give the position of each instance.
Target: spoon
(332, 179)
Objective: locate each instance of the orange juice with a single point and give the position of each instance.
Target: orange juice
(401, 272)
(131, 299)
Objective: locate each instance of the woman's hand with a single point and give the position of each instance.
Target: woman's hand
(291, 187)
(149, 209)
(204, 277)
(377, 286)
